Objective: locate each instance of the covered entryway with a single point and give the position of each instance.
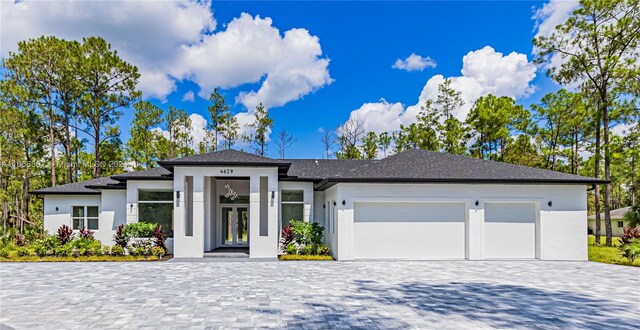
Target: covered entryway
(510, 230)
(409, 230)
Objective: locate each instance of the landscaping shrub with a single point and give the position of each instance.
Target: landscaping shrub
(631, 250)
(4, 253)
(106, 250)
(157, 252)
(323, 250)
(120, 238)
(23, 252)
(84, 246)
(139, 229)
(159, 238)
(117, 250)
(291, 249)
(140, 248)
(63, 250)
(85, 233)
(65, 234)
(307, 232)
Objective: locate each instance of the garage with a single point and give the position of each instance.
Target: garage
(409, 230)
(510, 231)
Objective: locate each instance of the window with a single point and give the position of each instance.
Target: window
(620, 224)
(292, 206)
(85, 217)
(156, 206)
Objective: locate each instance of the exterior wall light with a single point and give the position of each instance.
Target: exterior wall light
(56, 208)
(344, 202)
(477, 203)
(273, 194)
(334, 203)
(131, 208)
(550, 204)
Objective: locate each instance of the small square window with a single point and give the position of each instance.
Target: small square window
(78, 223)
(92, 223)
(78, 212)
(620, 224)
(92, 211)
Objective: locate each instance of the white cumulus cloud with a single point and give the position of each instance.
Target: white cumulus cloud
(414, 62)
(176, 40)
(188, 97)
(484, 71)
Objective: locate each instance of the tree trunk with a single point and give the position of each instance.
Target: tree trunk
(596, 174)
(67, 144)
(607, 172)
(53, 142)
(96, 152)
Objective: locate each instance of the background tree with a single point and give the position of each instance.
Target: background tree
(370, 145)
(452, 131)
(141, 146)
(283, 141)
(229, 132)
(220, 116)
(109, 86)
(384, 139)
(349, 136)
(179, 129)
(492, 121)
(328, 141)
(598, 45)
(261, 127)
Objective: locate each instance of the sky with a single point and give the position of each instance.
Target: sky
(313, 64)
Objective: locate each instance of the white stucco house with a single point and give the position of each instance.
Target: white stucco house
(413, 205)
(618, 221)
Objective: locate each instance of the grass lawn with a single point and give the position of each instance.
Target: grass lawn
(608, 254)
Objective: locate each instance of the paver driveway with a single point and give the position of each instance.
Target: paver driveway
(438, 294)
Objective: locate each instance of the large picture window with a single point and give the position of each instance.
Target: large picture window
(156, 206)
(85, 217)
(292, 206)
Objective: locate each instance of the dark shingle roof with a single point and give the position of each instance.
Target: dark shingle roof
(408, 166)
(77, 187)
(318, 169)
(427, 166)
(158, 173)
(225, 157)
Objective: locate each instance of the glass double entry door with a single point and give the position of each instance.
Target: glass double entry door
(235, 225)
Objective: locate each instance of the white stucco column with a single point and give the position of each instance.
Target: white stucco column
(475, 234)
(263, 246)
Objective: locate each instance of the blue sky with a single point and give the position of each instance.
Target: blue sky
(361, 40)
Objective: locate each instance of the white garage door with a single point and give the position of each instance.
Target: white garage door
(405, 230)
(509, 231)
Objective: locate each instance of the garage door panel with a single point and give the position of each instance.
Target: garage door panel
(509, 231)
(409, 230)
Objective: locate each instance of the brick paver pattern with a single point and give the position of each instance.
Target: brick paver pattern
(363, 294)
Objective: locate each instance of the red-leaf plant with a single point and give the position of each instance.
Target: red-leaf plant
(629, 234)
(159, 238)
(120, 238)
(85, 233)
(286, 237)
(65, 234)
(20, 241)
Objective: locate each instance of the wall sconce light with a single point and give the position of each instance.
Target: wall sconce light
(177, 194)
(56, 208)
(344, 202)
(550, 204)
(477, 203)
(131, 208)
(273, 194)
(324, 206)
(334, 203)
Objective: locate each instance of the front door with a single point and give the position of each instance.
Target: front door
(235, 225)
